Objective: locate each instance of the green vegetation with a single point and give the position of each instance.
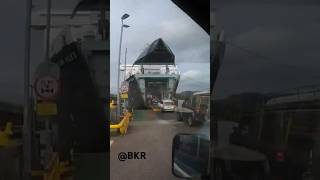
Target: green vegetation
(184, 95)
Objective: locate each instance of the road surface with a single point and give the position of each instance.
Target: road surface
(152, 133)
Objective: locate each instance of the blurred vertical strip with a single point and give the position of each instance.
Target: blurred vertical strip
(27, 124)
(217, 50)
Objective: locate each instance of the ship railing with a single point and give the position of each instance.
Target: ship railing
(161, 70)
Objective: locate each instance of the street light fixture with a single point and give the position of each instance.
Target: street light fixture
(125, 16)
(126, 26)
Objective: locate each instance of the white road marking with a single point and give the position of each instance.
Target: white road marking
(161, 121)
(111, 142)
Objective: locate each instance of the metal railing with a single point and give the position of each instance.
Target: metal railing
(150, 69)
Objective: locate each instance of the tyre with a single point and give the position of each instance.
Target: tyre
(179, 117)
(190, 120)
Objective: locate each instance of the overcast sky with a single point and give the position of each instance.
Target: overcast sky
(12, 31)
(284, 34)
(272, 45)
(11, 50)
(149, 20)
(153, 19)
(279, 43)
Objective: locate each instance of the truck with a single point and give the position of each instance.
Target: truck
(195, 109)
(285, 129)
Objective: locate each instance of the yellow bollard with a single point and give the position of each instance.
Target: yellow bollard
(4, 135)
(8, 129)
(112, 105)
(4, 139)
(124, 124)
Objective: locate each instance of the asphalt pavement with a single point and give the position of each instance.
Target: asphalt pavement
(150, 133)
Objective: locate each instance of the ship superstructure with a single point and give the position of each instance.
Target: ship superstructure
(153, 76)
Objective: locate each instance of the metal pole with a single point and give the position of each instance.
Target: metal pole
(47, 54)
(47, 127)
(118, 79)
(125, 65)
(27, 123)
(103, 20)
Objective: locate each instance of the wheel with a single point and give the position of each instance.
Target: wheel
(179, 117)
(190, 120)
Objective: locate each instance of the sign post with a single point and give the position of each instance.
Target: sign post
(124, 95)
(46, 87)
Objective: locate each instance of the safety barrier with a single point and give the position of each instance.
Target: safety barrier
(124, 123)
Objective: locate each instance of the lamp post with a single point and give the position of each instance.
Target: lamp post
(125, 16)
(125, 65)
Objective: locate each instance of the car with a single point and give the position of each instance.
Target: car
(160, 104)
(167, 105)
(155, 102)
(191, 156)
(191, 159)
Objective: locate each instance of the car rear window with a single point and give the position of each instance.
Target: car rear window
(168, 103)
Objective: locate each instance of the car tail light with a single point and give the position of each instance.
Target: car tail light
(280, 156)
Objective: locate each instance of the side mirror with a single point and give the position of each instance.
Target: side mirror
(191, 156)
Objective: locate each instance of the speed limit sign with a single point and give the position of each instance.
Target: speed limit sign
(46, 87)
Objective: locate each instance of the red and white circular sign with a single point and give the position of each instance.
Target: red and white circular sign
(124, 87)
(46, 87)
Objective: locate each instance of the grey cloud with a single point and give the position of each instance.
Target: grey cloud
(154, 19)
(278, 47)
(11, 50)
